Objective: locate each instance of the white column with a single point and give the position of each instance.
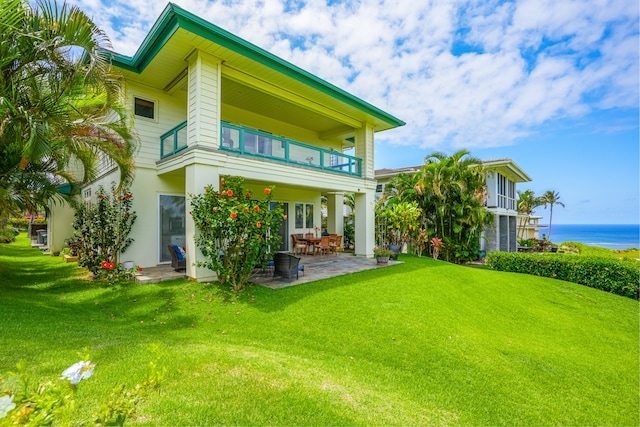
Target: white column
(197, 176)
(364, 149)
(59, 226)
(203, 109)
(365, 223)
(335, 213)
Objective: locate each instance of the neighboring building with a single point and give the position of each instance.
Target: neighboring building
(502, 200)
(208, 103)
(529, 227)
(501, 178)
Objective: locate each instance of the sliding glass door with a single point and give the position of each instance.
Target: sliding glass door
(172, 223)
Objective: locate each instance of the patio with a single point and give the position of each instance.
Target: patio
(315, 268)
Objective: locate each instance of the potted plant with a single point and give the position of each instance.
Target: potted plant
(382, 255)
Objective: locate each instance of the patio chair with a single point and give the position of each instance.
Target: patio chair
(335, 243)
(287, 266)
(322, 246)
(299, 245)
(177, 262)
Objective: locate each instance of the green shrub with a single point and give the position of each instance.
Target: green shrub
(20, 222)
(607, 274)
(8, 234)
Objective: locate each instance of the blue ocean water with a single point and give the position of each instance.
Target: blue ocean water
(612, 236)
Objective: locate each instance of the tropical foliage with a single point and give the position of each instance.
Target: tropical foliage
(526, 204)
(101, 232)
(236, 232)
(450, 192)
(59, 105)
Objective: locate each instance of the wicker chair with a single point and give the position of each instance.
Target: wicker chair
(287, 266)
(175, 262)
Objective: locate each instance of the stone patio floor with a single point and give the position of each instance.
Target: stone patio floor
(315, 268)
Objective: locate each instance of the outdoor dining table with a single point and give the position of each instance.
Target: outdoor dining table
(312, 242)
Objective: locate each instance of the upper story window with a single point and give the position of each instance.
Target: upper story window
(145, 108)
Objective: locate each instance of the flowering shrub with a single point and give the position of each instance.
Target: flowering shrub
(53, 403)
(102, 230)
(236, 232)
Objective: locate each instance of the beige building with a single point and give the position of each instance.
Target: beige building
(207, 104)
(501, 179)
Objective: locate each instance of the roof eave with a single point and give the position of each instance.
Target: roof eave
(174, 17)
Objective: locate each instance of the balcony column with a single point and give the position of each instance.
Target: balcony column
(335, 213)
(365, 222)
(203, 105)
(364, 149)
(197, 176)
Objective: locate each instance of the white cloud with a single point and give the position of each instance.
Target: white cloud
(532, 60)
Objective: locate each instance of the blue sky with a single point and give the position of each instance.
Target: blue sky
(551, 84)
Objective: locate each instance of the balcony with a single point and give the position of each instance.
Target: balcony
(506, 202)
(258, 144)
(254, 143)
(174, 140)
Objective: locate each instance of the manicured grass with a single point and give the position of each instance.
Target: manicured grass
(632, 253)
(423, 343)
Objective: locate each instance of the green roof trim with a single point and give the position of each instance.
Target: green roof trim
(174, 17)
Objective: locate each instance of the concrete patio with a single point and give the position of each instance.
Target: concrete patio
(315, 268)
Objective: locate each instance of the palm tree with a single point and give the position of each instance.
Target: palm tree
(454, 187)
(527, 202)
(551, 198)
(60, 105)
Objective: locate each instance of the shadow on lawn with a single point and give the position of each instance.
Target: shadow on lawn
(270, 300)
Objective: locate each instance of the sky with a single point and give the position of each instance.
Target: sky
(551, 84)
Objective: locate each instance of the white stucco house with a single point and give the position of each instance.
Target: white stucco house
(207, 104)
(502, 175)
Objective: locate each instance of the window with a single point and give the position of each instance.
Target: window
(303, 215)
(144, 108)
(379, 188)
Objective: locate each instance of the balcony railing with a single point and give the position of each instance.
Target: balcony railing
(174, 140)
(506, 202)
(255, 143)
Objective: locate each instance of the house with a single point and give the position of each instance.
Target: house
(529, 227)
(501, 178)
(207, 104)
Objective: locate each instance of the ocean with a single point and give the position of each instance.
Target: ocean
(612, 236)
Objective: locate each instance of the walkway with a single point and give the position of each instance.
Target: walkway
(315, 268)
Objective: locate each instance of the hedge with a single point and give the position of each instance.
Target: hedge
(611, 275)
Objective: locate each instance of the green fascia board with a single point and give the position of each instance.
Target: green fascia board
(174, 17)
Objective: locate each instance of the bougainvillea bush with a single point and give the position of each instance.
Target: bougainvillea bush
(236, 232)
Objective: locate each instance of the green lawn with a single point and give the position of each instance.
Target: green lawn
(423, 343)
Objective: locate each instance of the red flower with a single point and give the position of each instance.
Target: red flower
(127, 196)
(229, 193)
(215, 209)
(111, 265)
(233, 215)
(206, 188)
(246, 209)
(222, 179)
(190, 213)
(256, 208)
(267, 191)
(104, 264)
(248, 194)
(139, 268)
(258, 224)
